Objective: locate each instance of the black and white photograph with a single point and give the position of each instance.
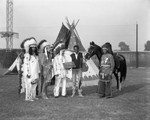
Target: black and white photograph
(74, 59)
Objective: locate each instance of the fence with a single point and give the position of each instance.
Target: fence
(143, 58)
(7, 58)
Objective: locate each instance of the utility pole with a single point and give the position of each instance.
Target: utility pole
(137, 59)
(9, 34)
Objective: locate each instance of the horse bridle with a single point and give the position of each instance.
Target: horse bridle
(92, 50)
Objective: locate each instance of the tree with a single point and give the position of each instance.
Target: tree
(147, 46)
(123, 46)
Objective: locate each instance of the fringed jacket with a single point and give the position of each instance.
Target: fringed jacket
(107, 64)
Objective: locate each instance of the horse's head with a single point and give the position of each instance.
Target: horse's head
(93, 50)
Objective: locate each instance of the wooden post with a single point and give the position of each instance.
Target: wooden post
(137, 59)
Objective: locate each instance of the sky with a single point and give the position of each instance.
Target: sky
(99, 20)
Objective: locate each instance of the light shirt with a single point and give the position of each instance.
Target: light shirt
(34, 67)
(76, 54)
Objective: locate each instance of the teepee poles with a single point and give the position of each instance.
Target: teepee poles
(73, 27)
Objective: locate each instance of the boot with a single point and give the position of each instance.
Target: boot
(80, 93)
(73, 93)
(44, 96)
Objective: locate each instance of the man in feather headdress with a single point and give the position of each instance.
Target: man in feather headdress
(45, 59)
(30, 68)
(21, 57)
(59, 70)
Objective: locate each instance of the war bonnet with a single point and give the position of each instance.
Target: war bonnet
(27, 43)
(42, 44)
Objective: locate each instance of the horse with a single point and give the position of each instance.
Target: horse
(120, 61)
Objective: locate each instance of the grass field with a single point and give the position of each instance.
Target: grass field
(132, 103)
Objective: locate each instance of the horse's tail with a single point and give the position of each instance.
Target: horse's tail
(123, 68)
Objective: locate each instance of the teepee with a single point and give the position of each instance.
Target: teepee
(14, 65)
(90, 77)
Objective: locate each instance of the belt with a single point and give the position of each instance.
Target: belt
(105, 65)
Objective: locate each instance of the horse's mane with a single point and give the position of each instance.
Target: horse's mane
(93, 44)
(107, 45)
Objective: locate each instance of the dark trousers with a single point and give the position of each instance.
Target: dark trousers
(104, 88)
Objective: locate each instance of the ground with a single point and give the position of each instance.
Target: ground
(132, 103)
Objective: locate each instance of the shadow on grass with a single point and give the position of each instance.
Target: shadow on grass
(90, 90)
(93, 90)
(129, 89)
(86, 90)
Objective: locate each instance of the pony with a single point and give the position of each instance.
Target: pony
(120, 69)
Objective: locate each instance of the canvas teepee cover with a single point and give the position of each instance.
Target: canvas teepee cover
(64, 36)
(14, 65)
